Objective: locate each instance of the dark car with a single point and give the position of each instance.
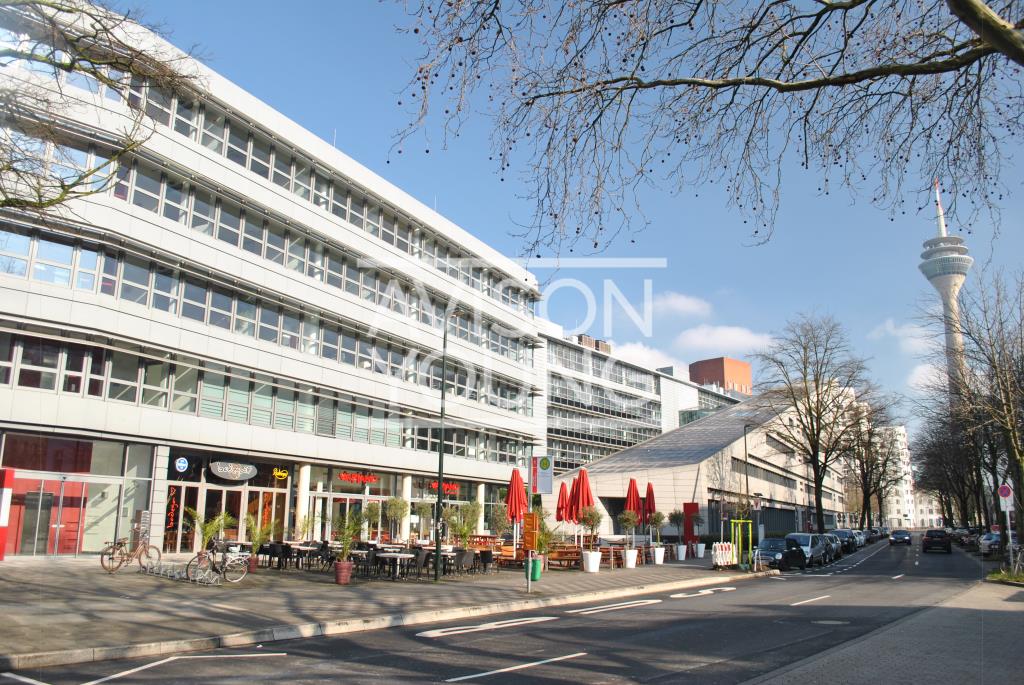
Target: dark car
(900, 537)
(780, 553)
(937, 538)
(848, 538)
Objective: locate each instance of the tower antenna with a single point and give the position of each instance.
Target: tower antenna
(939, 214)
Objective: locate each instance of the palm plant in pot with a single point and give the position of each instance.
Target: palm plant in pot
(346, 530)
(656, 521)
(590, 518)
(258, 536)
(629, 520)
(208, 529)
(395, 509)
(678, 519)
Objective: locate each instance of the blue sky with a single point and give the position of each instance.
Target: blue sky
(337, 68)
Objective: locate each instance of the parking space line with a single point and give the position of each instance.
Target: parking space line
(183, 657)
(23, 679)
(494, 625)
(517, 668)
(613, 607)
(808, 601)
(899, 576)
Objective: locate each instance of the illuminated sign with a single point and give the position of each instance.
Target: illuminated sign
(181, 464)
(360, 478)
(229, 470)
(449, 488)
(280, 474)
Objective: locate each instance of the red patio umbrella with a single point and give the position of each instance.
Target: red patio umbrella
(563, 502)
(649, 506)
(633, 500)
(515, 500)
(571, 515)
(584, 498)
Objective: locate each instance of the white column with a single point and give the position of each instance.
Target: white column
(480, 495)
(158, 508)
(407, 496)
(301, 498)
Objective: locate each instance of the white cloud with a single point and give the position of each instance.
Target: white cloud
(925, 378)
(643, 355)
(720, 340)
(669, 303)
(912, 338)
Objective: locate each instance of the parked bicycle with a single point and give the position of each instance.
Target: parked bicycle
(117, 554)
(218, 561)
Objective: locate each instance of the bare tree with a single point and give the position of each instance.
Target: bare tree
(55, 57)
(592, 100)
(809, 380)
(871, 452)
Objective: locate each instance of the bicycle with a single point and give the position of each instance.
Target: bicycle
(204, 567)
(116, 554)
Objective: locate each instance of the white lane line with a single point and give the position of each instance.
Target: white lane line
(517, 668)
(613, 607)
(899, 576)
(144, 667)
(23, 679)
(495, 625)
(705, 591)
(807, 601)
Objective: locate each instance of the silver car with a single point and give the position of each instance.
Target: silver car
(813, 545)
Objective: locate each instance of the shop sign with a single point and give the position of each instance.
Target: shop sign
(360, 478)
(280, 474)
(542, 475)
(229, 470)
(449, 487)
(181, 464)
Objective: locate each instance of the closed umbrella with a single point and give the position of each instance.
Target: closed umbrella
(584, 498)
(563, 502)
(515, 503)
(649, 507)
(571, 515)
(633, 500)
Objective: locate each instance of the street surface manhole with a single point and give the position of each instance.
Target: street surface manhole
(832, 623)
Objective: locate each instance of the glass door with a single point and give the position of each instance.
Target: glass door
(179, 535)
(268, 506)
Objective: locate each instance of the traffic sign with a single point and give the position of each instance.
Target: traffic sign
(1005, 491)
(1006, 498)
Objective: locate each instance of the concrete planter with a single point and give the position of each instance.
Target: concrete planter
(630, 556)
(659, 555)
(700, 550)
(591, 562)
(681, 552)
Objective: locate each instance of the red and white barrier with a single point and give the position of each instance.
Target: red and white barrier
(6, 487)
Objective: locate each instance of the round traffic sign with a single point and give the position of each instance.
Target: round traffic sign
(1005, 491)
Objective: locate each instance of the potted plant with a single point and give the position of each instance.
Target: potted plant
(678, 519)
(698, 521)
(464, 522)
(371, 514)
(497, 521)
(657, 520)
(629, 520)
(347, 531)
(258, 536)
(207, 530)
(395, 509)
(449, 516)
(424, 511)
(591, 517)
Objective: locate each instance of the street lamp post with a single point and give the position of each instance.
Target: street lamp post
(746, 461)
(440, 449)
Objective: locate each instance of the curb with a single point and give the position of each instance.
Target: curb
(1011, 583)
(14, 662)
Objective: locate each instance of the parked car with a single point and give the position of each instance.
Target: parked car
(858, 535)
(876, 534)
(900, 537)
(848, 539)
(780, 553)
(884, 531)
(990, 542)
(813, 546)
(834, 546)
(937, 538)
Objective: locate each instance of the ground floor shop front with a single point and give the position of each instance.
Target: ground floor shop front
(74, 494)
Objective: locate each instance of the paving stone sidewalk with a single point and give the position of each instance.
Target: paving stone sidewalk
(51, 605)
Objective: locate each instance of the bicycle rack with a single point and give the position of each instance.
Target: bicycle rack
(177, 572)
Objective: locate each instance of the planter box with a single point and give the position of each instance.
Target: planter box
(659, 555)
(591, 562)
(630, 556)
(681, 552)
(700, 550)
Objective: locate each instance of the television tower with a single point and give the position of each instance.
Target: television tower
(945, 264)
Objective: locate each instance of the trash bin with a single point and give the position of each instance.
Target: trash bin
(538, 564)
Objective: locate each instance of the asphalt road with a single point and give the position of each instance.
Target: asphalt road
(724, 635)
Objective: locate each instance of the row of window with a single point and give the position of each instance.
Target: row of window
(570, 392)
(174, 198)
(273, 161)
(570, 455)
(597, 429)
(583, 361)
(181, 385)
(162, 288)
(740, 466)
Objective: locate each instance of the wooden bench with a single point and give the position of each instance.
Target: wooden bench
(568, 557)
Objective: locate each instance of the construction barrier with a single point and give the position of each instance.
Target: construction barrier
(723, 554)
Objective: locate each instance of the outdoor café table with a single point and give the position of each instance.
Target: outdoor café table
(302, 552)
(446, 557)
(395, 557)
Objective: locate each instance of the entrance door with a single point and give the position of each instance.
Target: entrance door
(62, 516)
(37, 506)
(179, 535)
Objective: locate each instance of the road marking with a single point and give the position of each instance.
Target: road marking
(517, 668)
(807, 601)
(494, 625)
(23, 679)
(899, 576)
(705, 591)
(775, 578)
(176, 658)
(832, 623)
(613, 607)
